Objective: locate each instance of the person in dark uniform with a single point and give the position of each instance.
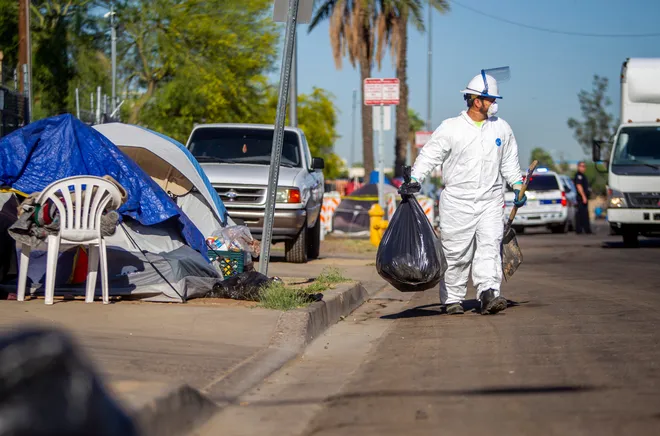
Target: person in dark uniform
(582, 223)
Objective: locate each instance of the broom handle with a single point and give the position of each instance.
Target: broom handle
(530, 171)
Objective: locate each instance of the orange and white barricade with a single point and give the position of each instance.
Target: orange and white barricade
(427, 205)
(390, 205)
(331, 201)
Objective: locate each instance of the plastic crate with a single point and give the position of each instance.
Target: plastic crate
(231, 262)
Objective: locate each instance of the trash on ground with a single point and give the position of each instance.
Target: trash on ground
(243, 286)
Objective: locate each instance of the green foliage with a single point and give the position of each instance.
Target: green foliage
(199, 61)
(415, 124)
(544, 158)
(597, 180)
(317, 117)
(279, 296)
(597, 122)
(9, 33)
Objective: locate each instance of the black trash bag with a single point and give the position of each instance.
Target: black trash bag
(407, 256)
(243, 286)
(48, 387)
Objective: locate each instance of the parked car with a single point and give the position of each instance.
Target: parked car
(551, 203)
(236, 159)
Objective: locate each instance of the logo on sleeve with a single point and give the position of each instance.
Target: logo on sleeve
(498, 142)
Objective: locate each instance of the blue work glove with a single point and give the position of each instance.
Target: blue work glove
(410, 188)
(519, 202)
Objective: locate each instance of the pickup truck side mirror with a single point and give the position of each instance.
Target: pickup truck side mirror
(318, 163)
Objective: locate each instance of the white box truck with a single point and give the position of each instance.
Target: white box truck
(633, 192)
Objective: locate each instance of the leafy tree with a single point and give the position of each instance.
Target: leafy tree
(9, 34)
(196, 61)
(57, 25)
(597, 180)
(317, 118)
(544, 158)
(563, 167)
(597, 122)
(352, 35)
(392, 30)
(415, 124)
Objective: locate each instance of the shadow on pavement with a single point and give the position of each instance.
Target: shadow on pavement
(643, 243)
(494, 391)
(438, 309)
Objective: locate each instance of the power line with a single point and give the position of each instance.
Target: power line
(555, 31)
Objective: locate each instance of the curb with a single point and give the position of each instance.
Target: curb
(159, 409)
(169, 410)
(294, 331)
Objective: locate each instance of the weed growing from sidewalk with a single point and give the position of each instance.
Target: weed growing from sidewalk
(279, 296)
(331, 276)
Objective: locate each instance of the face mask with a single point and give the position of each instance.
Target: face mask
(492, 109)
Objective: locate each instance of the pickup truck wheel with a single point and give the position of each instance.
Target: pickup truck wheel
(314, 240)
(295, 250)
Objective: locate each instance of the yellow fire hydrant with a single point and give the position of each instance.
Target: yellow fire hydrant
(377, 224)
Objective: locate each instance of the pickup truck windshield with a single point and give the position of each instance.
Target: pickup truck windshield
(638, 146)
(241, 145)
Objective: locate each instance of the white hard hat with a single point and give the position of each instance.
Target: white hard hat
(483, 85)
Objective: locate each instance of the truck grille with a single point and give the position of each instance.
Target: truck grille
(241, 195)
(648, 200)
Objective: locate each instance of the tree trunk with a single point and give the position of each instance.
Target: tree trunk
(134, 117)
(367, 123)
(402, 129)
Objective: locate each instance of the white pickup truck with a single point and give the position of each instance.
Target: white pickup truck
(634, 163)
(236, 159)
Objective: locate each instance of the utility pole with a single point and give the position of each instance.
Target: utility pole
(293, 102)
(353, 128)
(22, 41)
(113, 48)
(24, 54)
(429, 127)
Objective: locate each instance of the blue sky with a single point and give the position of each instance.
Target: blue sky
(547, 70)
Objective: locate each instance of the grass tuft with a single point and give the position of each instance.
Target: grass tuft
(279, 296)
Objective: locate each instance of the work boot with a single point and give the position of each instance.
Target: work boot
(490, 304)
(454, 309)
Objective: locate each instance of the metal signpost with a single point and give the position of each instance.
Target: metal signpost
(294, 11)
(381, 92)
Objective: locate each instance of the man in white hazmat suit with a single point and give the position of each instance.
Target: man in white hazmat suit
(477, 152)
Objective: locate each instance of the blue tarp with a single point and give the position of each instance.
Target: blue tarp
(373, 178)
(58, 147)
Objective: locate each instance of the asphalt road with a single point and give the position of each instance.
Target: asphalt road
(576, 353)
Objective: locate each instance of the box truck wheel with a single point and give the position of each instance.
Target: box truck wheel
(630, 239)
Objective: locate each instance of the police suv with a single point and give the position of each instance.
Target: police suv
(551, 203)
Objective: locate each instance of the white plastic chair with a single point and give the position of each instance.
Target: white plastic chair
(85, 200)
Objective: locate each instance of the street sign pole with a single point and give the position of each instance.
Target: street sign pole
(381, 158)
(278, 136)
(381, 92)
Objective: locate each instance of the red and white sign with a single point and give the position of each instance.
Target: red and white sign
(421, 138)
(381, 91)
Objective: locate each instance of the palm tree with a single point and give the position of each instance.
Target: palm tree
(415, 124)
(352, 36)
(392, 31)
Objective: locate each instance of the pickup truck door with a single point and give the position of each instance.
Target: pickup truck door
(313, 180)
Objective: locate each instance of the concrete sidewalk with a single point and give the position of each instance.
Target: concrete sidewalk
(174, 343)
